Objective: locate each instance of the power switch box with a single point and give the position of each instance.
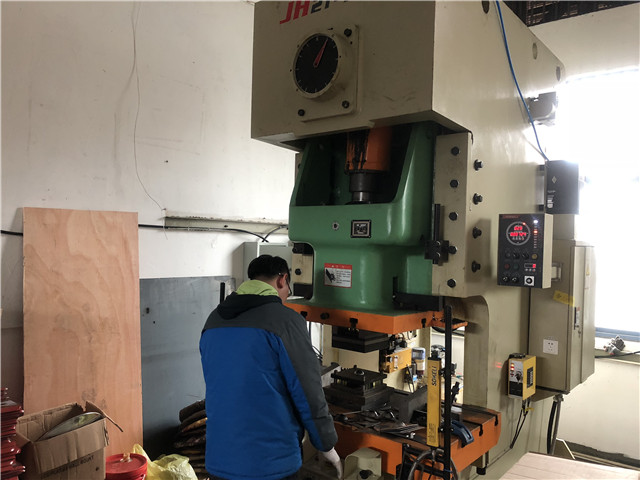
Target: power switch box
(522, 376)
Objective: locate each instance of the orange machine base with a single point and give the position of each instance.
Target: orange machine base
(374, 322)
(484, 426)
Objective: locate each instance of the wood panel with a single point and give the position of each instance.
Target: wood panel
(82, 317)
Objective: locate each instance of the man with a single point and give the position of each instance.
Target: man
(263, 382)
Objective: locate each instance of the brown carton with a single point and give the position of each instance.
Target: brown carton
(75, 455)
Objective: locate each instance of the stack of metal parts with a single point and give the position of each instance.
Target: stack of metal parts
(191, 437)
(358, 389)
(10, 412)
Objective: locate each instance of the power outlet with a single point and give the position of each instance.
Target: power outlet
(550, 346)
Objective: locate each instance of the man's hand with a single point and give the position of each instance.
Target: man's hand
(334, 459)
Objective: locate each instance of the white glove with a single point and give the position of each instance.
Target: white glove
(334, 459)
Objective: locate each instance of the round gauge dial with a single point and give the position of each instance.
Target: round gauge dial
(518, 233)
(316, 64)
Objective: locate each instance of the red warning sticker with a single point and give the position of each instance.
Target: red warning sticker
(337, 275)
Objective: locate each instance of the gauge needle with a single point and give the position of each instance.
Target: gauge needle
(316, 62)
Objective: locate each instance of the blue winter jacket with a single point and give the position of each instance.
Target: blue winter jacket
(263, 389)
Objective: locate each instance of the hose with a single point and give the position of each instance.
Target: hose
(424, 455)
(554, 420)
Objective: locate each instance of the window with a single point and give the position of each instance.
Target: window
(598, 126)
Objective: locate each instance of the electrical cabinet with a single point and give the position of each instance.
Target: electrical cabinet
(562, 329)
(255, 249)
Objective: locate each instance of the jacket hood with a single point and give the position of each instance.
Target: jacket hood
(236, 304)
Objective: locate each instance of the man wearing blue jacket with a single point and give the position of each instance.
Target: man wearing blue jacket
(263, 382)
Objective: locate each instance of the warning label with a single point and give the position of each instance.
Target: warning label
(337, 275)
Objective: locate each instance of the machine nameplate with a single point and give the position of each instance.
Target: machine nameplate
(360, 228)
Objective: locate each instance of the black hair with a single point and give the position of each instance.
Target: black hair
(267, 266)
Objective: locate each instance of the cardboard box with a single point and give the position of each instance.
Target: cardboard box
(75, 455)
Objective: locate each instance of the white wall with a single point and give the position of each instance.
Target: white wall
(604, 412)
(83, 104)
(600, 41)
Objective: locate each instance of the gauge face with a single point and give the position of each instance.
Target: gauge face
(518, 233)
(316, 64)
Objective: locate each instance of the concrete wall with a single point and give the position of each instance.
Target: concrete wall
(99, 99)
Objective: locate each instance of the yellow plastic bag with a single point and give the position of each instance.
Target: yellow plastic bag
(167, 467)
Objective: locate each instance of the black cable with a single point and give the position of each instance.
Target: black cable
(418, 460)
(550, 426)
(280, 227)
(16, 234)
(523, 414)
(196, 229)
(618, 355)
(558, 399)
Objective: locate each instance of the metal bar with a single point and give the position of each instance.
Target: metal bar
(447, 390)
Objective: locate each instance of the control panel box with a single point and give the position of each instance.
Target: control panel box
(522, 376)
(524, 250)
(562, 319)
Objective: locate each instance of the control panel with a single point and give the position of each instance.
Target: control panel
(524, 250)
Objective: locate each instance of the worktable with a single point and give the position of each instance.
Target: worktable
(484, 425)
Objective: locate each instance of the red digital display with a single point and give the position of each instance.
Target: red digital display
(518, 233)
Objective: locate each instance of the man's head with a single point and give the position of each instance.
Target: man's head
(271, 270)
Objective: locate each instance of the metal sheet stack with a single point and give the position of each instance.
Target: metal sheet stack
(191, 437)
(11, 411)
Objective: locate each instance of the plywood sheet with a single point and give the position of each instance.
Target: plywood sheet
(82, 317)
(535, 466)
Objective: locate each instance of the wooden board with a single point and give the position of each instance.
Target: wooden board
(82, 317)
(537, 466)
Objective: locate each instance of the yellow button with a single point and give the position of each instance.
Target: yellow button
(534, 256)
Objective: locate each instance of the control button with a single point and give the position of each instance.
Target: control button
(525, 255)
(515, 279)
(528, 280)
(505, 278)
(507, 254)
(516, 266)
(534, 256)
(516, 255)
(507, 266)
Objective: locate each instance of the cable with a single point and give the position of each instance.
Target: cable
(618, 355)
(15, 234)
(515, 80)
(200, 229)
(273, 231)
(554, 420)
(550, 426)
(524, 410)
(134, 26)
(419, 459)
